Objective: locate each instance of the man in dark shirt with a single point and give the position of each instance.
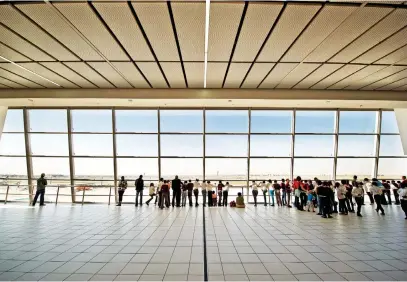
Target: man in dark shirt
(176, 191)
(190, 187)
(139, 190)
(41, 184)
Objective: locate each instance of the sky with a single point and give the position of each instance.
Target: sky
(145, 145)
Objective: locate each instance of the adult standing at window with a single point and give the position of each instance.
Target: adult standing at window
(255, 192)
(377, 192)
(196, 191)
(263, 186)
(41, 184)
(165, 190)
(190, 187)
(139, 190)
(403, 196)
(209, 188)
(122, 187)
(176, 191)
(220, 192)
(225, 194)
(203, 187)
(270, 187)
(367, 186)
(395, 187)
(159, 194)
(288, 192)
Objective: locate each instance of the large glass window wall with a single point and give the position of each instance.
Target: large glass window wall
(88, 150)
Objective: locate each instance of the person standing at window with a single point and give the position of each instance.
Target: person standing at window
(377, 195)
(255, 192)
(395, 187)
(159, 194)
(367, 185)
(288, 192)
(121, 188)
(184, 194)
(403, 197)
(264, 189)
(387, 191)
(225, 194)
(357, 192)
(209, 188)
(176, 191)
(203, 187)
(220, 192)
(165, 190)
(196, 191)
(283, 192)
(277, 191)
(348, 197)
(139, 190)
(41, 184)
(190, 188)
(270, 188)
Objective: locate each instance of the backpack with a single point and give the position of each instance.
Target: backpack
(232, 204)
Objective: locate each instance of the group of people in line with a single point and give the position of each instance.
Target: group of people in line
(308, 194)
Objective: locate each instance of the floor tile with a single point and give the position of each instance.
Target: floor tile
(254, 268)
(112, 268)
(297, 268)
(79, 277)
(133, 268)
(55, 277)
(233, 269)
(178, 277)
(121, 277)
(354, 276)
(155, 269)
(103, 277)
(91, 267)
(307, 277)
(276, 268)
(285, 277)
(318, 267)
(236, 278)
(32, 276)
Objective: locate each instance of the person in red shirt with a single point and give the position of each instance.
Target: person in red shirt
(165, 189)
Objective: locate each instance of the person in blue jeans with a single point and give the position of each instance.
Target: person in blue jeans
(271, 189)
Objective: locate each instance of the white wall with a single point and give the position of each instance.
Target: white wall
(401, 116)
(3, 113)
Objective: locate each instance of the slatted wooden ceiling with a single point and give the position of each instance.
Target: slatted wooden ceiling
(157, 44)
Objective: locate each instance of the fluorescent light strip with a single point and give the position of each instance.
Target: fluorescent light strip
(208, 5)
(5, 59)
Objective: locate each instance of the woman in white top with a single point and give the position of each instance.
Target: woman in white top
(203, 187)
(226, 193)
(366, 186)
(158, 197)
(377, 195)
(255, 192)
(270, 188)
(151, 193)
(264, 189)
(357, 193)
(403, 197)
(196, 191)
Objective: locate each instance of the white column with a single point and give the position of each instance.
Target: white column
(401, 116)
(3, 113)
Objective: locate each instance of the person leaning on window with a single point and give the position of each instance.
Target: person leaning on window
(41, 184)
(122, 187)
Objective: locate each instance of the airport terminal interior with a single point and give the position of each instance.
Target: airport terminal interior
(204, 140)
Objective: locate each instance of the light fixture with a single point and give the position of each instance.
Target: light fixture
(207, 11)
(17, 65)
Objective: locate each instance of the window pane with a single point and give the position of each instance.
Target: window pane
(357, 145)
(310, 168)
(184, 168)
(136, 145)
(226, 145)
(226, 169)
(181, 121)
(14, 121)
(357, 122)
(140, 121)
(49, 144)
(227, 121)
(48, 121)
(389, 122)
(54, 168)
(132, 168)
(271, 121)
(347, 168)
(93, 144)
(264, 169)
(391, 168)
(390, 145)
(314, 145)
(270, 145)
(13, 167)
(98, 168)
(12, 144)
(182, 145)
(315, 122)
(91, 121)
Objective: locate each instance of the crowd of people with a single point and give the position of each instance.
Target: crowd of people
(327, 196)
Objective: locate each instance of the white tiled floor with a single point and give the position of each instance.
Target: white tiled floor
(105, 243)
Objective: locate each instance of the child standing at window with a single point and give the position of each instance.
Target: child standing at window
(310, 201)
(214, 198)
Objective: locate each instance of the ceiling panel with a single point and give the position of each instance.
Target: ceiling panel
(216, 73)
(195, 74)
(390, 79)
(394, 85)
(337, 75)
(3, 86)
(173, 73)
(189, 20)
(393, 43)
(86, 21)
(19, 44)
(402, 88)
(323, 25)
(256, 74)
(18, 79)
(158, 29)
(110, 74)
(121, 21)
(296, 75)
(66, 72)
(277, 74)
(356, 76)
(389, 25)
(395, 57)
(387, 71)
(236, 73)
(348, 31)
(10, 83)
(26, 74)
(292, 22)
(258, 21)
(153, 74)
(12, 55)
(46, 16)
(87, 72)
(132, 74)
(38, 69)
(14, 20)
(317, 75)
(223, 24)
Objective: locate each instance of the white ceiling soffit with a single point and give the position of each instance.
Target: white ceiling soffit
(110, 74)
(395, 57)
(356, 76)
(339, 74)
(195, 74)
(319, 74)
(257, 73)
(173, 72)
(277, 74)
(28, 75)
(18, 79)
(11, 54)
(381, 74)
(216, 73)
(66, 72)
(86, 71)
(132, 74)
(153, 74)
(236, 73)
(296, 75)
(388, 80)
